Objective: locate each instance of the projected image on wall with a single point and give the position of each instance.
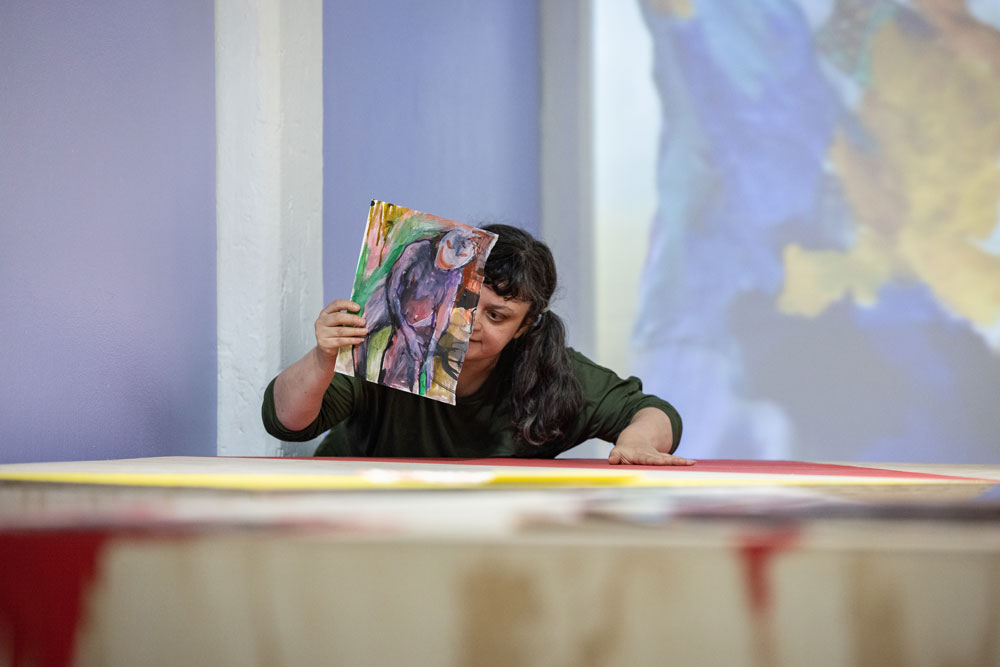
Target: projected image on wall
(823, 273)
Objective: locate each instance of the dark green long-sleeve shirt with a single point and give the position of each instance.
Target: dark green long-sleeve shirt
(367, 419)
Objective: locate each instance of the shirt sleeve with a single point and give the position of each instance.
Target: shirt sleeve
(342, 398)
(611, 402)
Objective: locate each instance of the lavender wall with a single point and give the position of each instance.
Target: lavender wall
(434, 106)
(107, 229)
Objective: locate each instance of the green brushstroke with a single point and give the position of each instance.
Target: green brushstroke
(401, 232)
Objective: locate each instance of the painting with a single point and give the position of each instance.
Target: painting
(418, 283)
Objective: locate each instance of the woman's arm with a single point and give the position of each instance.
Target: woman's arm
(647, 440)
(299, 389)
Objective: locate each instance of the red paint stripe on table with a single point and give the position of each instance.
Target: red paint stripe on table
(739, 466)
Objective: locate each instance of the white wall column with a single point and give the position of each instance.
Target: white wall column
(627, 121)
(567, 167)
(269, 171)
(566, 161)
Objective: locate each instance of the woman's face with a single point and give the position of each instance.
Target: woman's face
(497, 322)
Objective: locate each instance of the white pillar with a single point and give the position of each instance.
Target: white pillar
(567, 126)
(566, 161)
(627, 120)
(269, 187)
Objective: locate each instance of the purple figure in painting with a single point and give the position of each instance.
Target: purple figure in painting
(416, 300)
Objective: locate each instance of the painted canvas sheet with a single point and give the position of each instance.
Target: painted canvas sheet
(418, 283)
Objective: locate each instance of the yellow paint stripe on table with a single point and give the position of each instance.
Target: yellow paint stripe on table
(394, 479)
(373, 479)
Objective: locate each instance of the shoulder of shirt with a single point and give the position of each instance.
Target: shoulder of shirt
(580, 360)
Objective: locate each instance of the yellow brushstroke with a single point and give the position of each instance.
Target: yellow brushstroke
(377, 343)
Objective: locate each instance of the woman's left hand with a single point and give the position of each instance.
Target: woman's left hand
(647, 440)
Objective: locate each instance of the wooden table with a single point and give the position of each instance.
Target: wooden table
(232, 561)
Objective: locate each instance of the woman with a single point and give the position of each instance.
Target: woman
(521, 391)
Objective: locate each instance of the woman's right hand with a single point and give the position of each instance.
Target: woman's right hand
(336, 328)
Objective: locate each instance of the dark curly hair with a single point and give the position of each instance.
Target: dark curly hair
(546, 394)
